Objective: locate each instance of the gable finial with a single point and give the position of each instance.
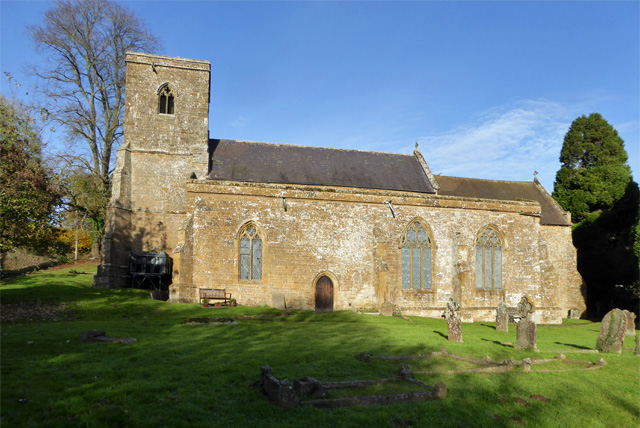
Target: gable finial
(416, 145)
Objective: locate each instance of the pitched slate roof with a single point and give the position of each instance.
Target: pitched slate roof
(289, 164)
(552, 214)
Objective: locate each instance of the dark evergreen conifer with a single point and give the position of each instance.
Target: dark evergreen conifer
(594, 183)
(594, 173)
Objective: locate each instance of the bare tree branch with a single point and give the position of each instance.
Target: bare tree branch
(86, 42)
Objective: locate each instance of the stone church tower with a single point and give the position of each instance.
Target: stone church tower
(166, 136)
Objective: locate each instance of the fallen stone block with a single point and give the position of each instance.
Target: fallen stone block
(100, 336)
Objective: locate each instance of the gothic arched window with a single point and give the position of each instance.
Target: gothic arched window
(416, 257)
(489, 260)
(250, 253)
(165, 100)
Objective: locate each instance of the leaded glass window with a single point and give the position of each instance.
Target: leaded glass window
(250, 254)
(489, 260)
(416, 257)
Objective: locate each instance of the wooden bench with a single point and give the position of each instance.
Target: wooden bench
(215, 294)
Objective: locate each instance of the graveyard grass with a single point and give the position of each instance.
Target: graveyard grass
(184, 375)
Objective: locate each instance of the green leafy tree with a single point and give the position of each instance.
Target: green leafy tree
(594, 173)
(82, 196)
(85, 42)
(28, 195)
(595, 184)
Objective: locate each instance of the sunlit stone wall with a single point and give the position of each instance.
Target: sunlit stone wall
(352, 236)
(159, 154)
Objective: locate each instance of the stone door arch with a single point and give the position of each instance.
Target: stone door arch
(324, 294)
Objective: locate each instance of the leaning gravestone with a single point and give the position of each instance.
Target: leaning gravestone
(453, 320)
(630, 322)
(502, 317)
(612, 332)
(526, 335)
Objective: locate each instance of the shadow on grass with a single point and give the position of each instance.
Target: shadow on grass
(70, 293)
(187, 373)
(441, 334)
(190, 375)
(497, 342)
(571, 345)
(492, 327)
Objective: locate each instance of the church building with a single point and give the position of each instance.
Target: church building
(327, 229)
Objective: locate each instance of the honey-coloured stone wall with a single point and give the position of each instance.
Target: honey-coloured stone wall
(160, 152)
(352, 236)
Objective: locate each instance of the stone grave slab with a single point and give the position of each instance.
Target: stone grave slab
(452, 314)
(502, 317)
(612, 331)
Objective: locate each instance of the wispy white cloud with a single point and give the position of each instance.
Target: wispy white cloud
(239, 122)
(504, 143)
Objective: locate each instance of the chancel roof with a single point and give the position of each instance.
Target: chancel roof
(552, 214)
(288, 164)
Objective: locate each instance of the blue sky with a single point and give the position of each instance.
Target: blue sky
(487, 89)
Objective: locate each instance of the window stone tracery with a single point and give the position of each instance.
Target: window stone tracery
(416, 257)
(250, 253)
(489, 259)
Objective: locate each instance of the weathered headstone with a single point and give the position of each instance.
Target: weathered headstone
(526, 331)
(452, 314)
(630, 323)
(502, 317)
(277, 301)
(386, 309)
(574, 314)
(526, 307)
(612, 332)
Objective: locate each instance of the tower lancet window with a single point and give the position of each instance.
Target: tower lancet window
(165, 100)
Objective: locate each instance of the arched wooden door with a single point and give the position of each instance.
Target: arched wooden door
(324, 294)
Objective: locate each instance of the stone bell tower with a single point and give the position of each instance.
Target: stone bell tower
(166, 135)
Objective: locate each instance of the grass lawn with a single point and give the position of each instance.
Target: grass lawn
(186, 375)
